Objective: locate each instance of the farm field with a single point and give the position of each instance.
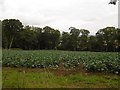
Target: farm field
(54, 69)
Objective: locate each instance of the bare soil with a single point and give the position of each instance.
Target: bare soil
(58, 71)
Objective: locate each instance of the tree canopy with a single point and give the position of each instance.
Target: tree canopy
(10, 29)
(16, 35)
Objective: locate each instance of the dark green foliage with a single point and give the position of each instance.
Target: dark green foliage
(108, 39)
(49, 38)
(34, 38)
(10, 29)
(26, 39)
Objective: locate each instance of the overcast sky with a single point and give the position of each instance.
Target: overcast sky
(62, 14)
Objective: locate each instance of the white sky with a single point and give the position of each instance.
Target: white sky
(62, 14)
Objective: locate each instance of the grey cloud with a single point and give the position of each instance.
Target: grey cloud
(61, 14)
(2, 6)
(119, 14)
(2, 2)
(35, 21)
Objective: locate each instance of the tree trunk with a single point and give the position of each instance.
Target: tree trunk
(11, 42)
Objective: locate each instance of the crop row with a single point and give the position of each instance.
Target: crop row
(91, 61)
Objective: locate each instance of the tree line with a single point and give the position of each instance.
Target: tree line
(16, 35)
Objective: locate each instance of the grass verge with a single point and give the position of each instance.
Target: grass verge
(31, 78)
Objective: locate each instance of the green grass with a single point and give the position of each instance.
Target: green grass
(29, 78)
